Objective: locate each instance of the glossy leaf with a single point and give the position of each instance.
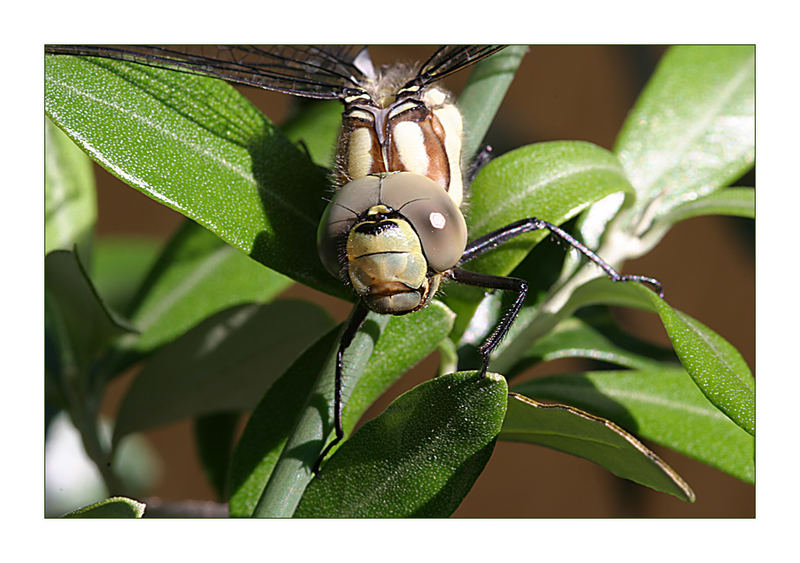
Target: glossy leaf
(661, 404)
(484, 92)
(404, 342)
(715, 366)
(738, 202)
(553, 181)
(601, 341)
(270, 424)
(76, 317)
(419, 458)
(573, 431)
(226, 363)
(70, 203)
(114, 507)
(198, 146)
(197, 275)
(314, 425)
(692, 130)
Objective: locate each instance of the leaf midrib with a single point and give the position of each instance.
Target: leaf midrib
(132, 114)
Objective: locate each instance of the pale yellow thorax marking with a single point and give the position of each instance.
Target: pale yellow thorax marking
(359, 158)
(410, 144)
(435, 97)
(450, 118)
(401, 108)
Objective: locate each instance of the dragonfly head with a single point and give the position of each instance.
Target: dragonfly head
(391, 236)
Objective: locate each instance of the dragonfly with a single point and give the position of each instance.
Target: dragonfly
(393, 229)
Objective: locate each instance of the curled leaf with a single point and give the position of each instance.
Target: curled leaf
(576, 432)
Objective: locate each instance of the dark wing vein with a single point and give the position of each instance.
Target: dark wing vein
(324, 72)
(452, 58)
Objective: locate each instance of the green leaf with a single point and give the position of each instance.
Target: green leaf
(196, 276)
(553, 181)
(599, 340)
(739, 202)
(579, 433)
(715, 366)
(226, 363)
(405, 341)
(314, 426)
(76, 318)
(268, 428)
(419, 458)
(70, 202)
(659, 404)
(692, 130)
(198, 146)
(484, 92)
(114, 507)
(119, 264)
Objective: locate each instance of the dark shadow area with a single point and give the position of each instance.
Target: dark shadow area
(292, 191)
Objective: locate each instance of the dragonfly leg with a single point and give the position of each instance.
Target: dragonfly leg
(355, 322)
(494, 282)
(481, 159)
(498, 237)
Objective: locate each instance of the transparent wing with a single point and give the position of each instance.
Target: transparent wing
(324, 71)
(452, 58)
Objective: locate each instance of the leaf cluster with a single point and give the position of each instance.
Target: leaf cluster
(204, 320)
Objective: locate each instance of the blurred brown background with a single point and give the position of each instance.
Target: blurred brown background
(707, 266)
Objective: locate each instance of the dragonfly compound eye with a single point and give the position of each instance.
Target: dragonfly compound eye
(436, 219)
(349, 203)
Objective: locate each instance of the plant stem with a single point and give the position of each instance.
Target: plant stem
(552, 310)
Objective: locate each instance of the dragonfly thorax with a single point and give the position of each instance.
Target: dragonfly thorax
(420, 131)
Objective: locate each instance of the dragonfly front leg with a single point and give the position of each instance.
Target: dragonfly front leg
(494, 282)
(498, 237)
(355, 322)
(477, 164)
